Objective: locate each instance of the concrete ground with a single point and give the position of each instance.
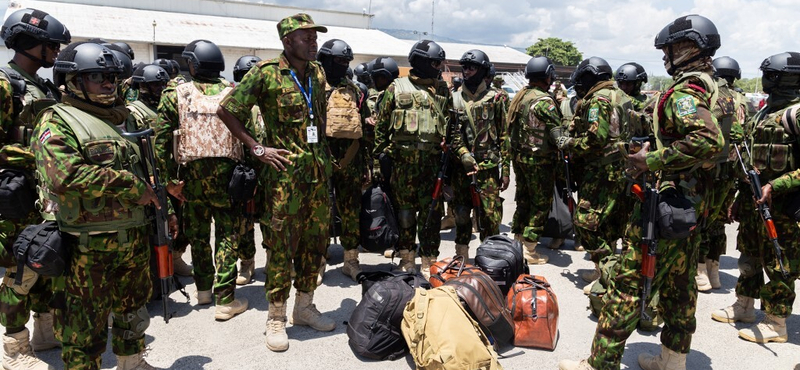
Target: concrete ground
(193, 340)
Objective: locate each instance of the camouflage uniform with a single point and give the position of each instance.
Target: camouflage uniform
(15, 307)
(531, 116)
(348, 177)
(247, 246)
(206, 184)
(601, 119)
(482, 131)
(298, 209)
(416, 160)
(179, 79)
(687, 135)
(109, 270)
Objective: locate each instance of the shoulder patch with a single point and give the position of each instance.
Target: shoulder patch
(44, 136)
(685, 106)
(551, 107)
(593, 112)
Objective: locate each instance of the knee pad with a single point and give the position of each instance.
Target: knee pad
(138, 321)
(747, 265)
(406, 218)
(463, 215)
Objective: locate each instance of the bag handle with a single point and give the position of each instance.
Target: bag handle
(422, 308)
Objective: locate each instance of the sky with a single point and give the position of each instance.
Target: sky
(619, 31)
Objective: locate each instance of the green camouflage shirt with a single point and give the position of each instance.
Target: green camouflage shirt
(531, 116)
(596, 125)
(771, 113)
(287, 121)
(497, 145)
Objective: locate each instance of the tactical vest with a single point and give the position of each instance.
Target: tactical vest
(527, 132)
(202, 133)
(344, 118)
(662, 140)
(101, 144)
(725, 113)
(418, 116)
(480, 131)
(145, 117)
(29, 100)
(618, 124)
(775, 141)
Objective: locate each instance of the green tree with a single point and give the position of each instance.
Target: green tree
(749, 85)
(559, 51)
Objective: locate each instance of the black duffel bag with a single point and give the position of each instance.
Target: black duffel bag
(43, 249)
(17, 194)
(378, 225)
(677, 217)
(502, 259)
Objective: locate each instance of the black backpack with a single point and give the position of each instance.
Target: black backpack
(379, 229)
(374, 326)
(17, 194)
(501, 258)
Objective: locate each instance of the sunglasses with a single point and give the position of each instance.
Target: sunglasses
(469, 67)
(100, 77)
(54, 46)
(436, 63)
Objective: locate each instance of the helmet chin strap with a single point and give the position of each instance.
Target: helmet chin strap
(42, 60)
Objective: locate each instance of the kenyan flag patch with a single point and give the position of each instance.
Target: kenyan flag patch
(45, 135)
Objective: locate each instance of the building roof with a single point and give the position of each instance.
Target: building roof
(497, 54)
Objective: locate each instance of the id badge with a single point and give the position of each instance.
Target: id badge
(311, 135)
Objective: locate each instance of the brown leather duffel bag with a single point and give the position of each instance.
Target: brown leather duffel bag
(448, 268)
(534, 308)
(485, 302)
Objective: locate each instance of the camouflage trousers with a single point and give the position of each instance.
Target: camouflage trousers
(247, 245)
(757, 255)
(229, 225)
(490, 213)
(602, 212)
(413, 179)
(180, 243)
(534, 197)
(108, 273)
(674, 283)
(347, 182)
(299, 237)
(714, 241)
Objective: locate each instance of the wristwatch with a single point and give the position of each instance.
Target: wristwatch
(258, 150)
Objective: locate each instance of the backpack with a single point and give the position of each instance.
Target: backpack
(449, 268)
(369, 278)
(487, 305)
(501, 258)
(378, 225)
(534, 308)
(374, 327)
(452, 341)
(17, 194)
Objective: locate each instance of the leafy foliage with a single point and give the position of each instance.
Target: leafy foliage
(559, 51)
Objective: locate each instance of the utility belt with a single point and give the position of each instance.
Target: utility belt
(83, 237)
(418, 146)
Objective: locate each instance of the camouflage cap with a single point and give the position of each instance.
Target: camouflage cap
(297, 22)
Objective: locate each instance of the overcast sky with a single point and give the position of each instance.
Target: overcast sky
(619, 31)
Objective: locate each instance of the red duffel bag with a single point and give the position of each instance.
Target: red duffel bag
(534, 309)
(450, 268)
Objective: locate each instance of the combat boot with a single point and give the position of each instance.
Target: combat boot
(462, 250)
(321, 273)
(306, 313)
(703, 284)
(226, 312)
(277, 340)
(425, 266)
(448, 221)
(712, 267)
(133, 362)
(351, 267)
(247, 269)
(43, 337)
(203, 297)
(592, 275)
(574, 365)
(179, 266)
(667, 360)
(771, 329)
(407, 261)
(743, 310)
(531, 256)
(555, 243)
(18, 355)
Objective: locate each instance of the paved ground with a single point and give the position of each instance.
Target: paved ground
(193, 340)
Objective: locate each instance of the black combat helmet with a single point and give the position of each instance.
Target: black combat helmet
(327, 54)
(781, 72)
(362, 73)
(476, 57)
(422, 55)
(457, 82)
(85, 57)
(694, 28)
(727, 67)
(384, 65)
(540, 68)
(492, 71)
(631, 72)
(589, 73)
(335, 48)
(150, 73)
(26, 28)
(127, 63)
(126, 48)
(206, 57)
(243, 66)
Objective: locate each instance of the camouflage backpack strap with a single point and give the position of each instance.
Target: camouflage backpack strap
(789, 120)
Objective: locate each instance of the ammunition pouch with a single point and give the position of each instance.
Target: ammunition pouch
(242, 185)
(17, 194)
(677, 217)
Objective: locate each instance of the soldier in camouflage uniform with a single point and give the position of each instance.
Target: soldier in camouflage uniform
(480, 142)
(630, 77)
(109, 271)
(531, 116)
(290, 91)
(687, 136)
(35, 37)
(731, 112)
(174, 69)
(344, 129)
(410, 128)
(149, 81)
(774, 132)
(200, 177)
(600, 121)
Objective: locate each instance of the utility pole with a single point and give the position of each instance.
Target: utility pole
(432, 9)
(155, 55)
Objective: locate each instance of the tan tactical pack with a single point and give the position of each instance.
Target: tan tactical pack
(344, 120)
(202, 134)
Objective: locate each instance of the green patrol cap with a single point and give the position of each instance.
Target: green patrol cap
(296, 22)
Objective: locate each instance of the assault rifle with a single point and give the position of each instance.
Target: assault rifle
(441, 176)
(763, 209)
(570, 199)
(475, 192)
(648, 195)
(161, 240)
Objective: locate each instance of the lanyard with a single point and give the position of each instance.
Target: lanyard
(307, 95)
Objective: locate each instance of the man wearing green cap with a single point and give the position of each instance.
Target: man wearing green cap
(290, 91)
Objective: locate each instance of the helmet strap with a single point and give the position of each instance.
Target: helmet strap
(41, 60)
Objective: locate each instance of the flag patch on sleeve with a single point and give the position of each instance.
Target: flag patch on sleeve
(45, 135)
